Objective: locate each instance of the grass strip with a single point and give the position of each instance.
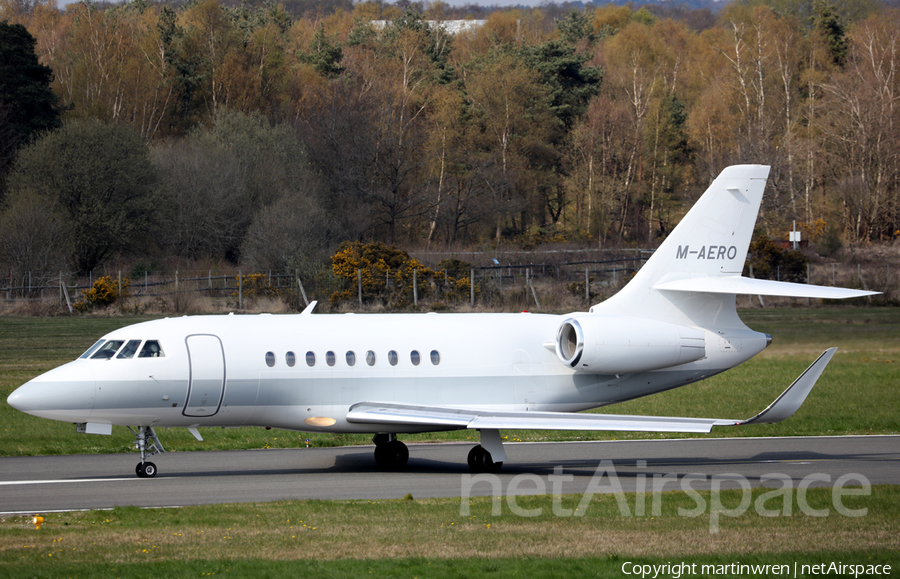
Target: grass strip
(447, 538)
(708, 566)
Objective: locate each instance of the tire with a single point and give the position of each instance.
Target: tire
(476, 459)
(145, 470)
(480, 461)
(391, 455)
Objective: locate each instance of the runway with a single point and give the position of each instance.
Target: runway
(53, 483)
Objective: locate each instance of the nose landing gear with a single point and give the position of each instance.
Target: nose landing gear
(143, 436)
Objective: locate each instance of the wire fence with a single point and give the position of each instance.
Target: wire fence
(587, 280)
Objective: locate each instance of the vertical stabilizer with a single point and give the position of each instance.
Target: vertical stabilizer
(711, 241)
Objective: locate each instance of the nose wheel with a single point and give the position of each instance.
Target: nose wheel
(145, 469)
(148, 443)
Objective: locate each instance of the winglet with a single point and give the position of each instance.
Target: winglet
(791, 399)
(309, 309)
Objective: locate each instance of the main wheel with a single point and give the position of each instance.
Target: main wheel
(391, 455)
(480, 461)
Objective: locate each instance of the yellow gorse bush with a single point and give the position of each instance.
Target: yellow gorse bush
(386, 275)
(103, 292)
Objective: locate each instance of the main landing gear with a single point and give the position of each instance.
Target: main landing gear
(480, 461)
(390, 453)
(487, 457)
(143, 436)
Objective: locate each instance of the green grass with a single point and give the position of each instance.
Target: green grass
(412, 568)
(858, 394)
(435, 538)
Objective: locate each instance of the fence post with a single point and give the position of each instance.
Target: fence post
(240, 290)
(808, 279)
(300, 285)
(359, 285)
(415, 287)
(534, 293)
(472, 286)
(119, 278)
(862, 281)
(62, 287)
(587, 284)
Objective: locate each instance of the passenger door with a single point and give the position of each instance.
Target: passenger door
(206, 385)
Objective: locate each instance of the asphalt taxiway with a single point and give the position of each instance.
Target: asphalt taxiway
(51, 483)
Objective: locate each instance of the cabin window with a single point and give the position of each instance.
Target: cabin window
(151, 349)
(329, 358)
(393, 358)
(435, 357)
(129, 350)
(370, 358)
(290, 359)
(108, 350)
(415, 358)
(92, 349)
(310, 359)
(351, 358)
(270, 359)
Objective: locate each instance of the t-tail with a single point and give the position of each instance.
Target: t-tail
(694, 276)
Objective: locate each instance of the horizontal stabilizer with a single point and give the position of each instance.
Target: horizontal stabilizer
(760, 287)
(441, 417)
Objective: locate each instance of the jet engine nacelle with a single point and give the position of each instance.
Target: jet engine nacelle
(618, 345)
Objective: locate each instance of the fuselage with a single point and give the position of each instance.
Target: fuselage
(303, 372)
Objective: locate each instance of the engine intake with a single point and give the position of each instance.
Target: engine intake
(617, 345)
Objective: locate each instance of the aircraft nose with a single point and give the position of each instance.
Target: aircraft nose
(66, 393)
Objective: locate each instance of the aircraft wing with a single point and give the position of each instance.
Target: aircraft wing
(445, 417)
(763, 287)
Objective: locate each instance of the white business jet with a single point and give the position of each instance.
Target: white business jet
(675, 323)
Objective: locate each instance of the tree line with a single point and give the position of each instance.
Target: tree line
(250, 135)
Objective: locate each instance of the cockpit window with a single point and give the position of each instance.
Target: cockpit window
(129, 350)
(92, 349)
(108, 350)
(151, 349)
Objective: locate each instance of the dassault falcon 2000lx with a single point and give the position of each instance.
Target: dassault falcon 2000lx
(386, 374)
